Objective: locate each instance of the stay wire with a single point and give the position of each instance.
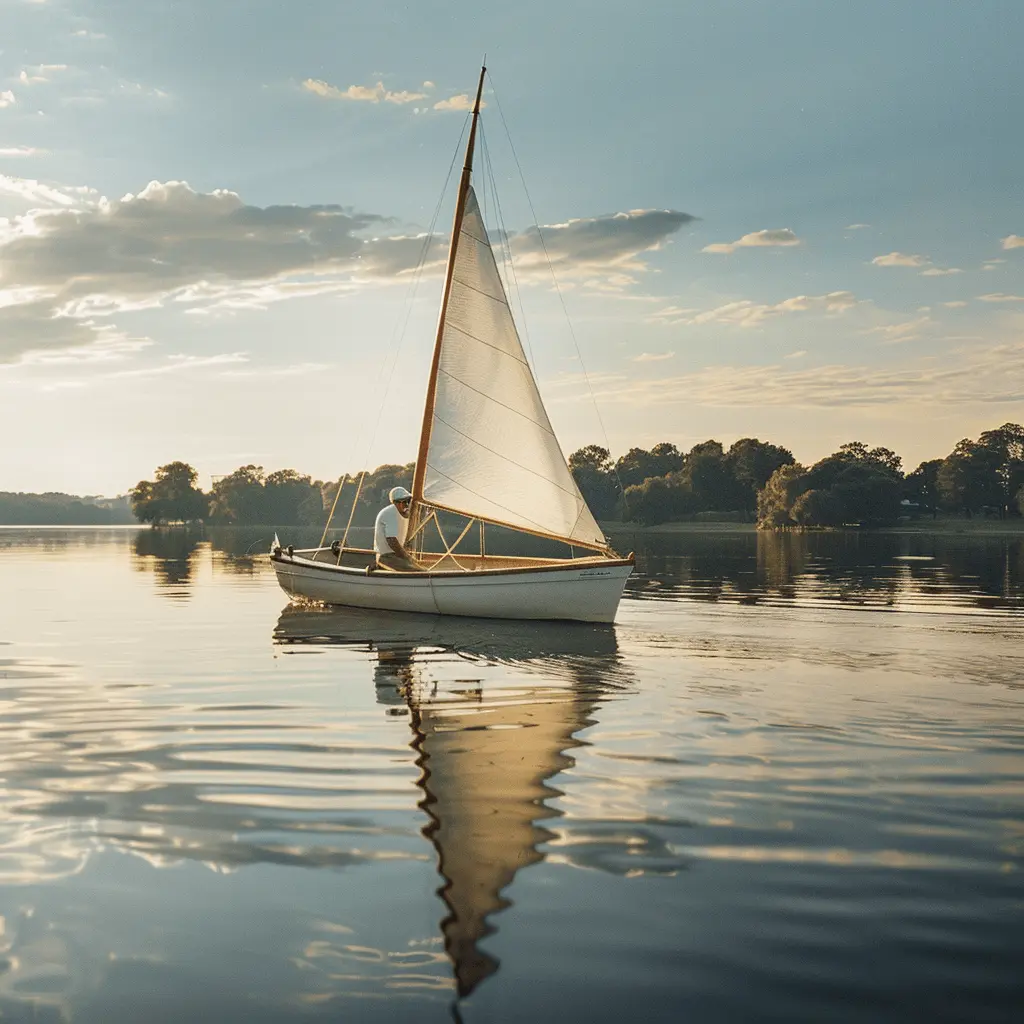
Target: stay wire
(558, 291)
(398, 333)
(506, 252)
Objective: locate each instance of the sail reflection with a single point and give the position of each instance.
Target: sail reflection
(486, 754)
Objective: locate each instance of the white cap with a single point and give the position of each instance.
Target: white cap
(398, 494)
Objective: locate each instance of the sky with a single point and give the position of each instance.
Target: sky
(795, 220)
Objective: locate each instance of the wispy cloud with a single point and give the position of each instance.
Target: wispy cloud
(17, 151)
(1000, 297)
(653, 357)
(857, 227)
(940, 271)
(900, 259)
(7, 99)
(745, 313)
(955, 304)
(37, 74)
(34, 191)
(361, 93)
(798, 354)
(756, 239)
(972, 376)
(906, 330)
(1013, 242)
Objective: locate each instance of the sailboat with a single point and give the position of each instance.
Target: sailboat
(487, 453)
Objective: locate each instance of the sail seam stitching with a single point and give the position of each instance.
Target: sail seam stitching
(504, 458)
(503, 301)
(497, 504)
(480, 341)
(529, 419)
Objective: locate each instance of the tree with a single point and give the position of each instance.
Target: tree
(172, 497)
(968, 478)
(817, 508)
(776, 499)
(1006, 444)
(290, 499)
(658, 499)
(853, 485)
(752, 463)
(239, 497)
(638, 464)
(594, 473)
(921, 486)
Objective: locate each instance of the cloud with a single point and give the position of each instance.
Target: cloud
(34, 191)
(1000, 297)
(39, 73)
(775, 236)
(16, 151)
(798, 354)
(1013, 242)
(653, 357)
(899, 259)
(940, 271)
(36, 326)
(975, 376)
(463, 101)
(361, 93)
(955, 304)
(7, 99)
(168, 236)
(610, 241)
(85, 258)
(907, 330)
(745, 313)
(857, 227)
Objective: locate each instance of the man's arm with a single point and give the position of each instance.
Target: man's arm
(396, 545)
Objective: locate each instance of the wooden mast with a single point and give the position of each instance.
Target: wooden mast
(460, 210)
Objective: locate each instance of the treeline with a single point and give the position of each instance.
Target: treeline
(56, 509)
(750, 481)
(249, 495)
(755, 480)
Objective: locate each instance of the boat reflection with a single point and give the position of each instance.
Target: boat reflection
(486, 753)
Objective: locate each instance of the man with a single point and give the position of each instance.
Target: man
(389, 533)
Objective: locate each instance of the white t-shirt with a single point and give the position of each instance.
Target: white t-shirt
(390, 523)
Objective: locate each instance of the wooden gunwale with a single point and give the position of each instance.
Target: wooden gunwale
(568, 564)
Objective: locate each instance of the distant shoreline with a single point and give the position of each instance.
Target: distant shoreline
(973, 527)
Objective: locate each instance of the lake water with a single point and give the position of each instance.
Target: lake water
(786, 785)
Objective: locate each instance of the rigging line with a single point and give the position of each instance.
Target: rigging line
(507, 260)
(398, 333)
(561, 298)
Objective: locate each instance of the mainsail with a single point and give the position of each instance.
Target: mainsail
(489, 450)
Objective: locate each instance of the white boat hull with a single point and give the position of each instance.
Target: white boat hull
(587, 592)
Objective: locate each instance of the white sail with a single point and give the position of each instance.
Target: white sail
(492, 453)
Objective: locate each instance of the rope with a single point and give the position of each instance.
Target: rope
(448, 547)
